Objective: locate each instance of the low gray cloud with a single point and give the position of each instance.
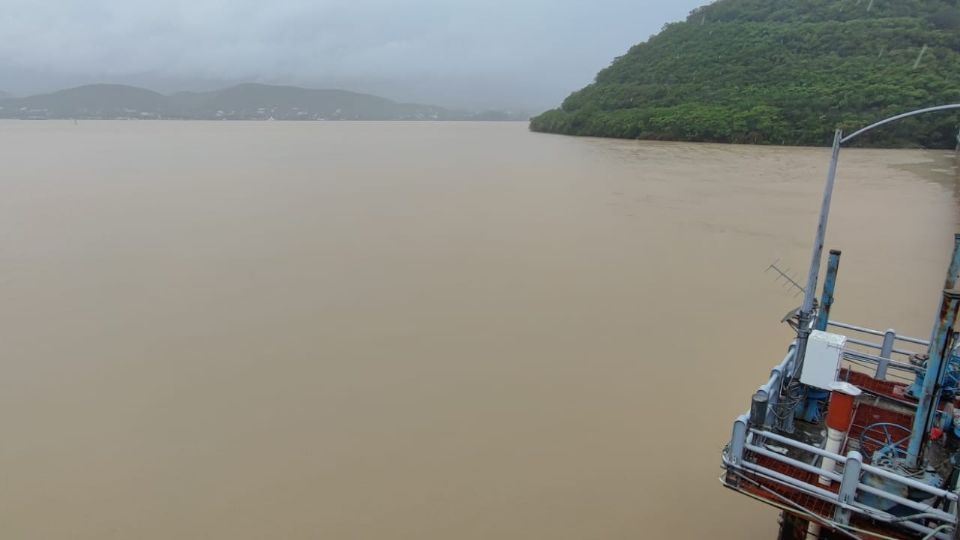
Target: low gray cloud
(522, 53)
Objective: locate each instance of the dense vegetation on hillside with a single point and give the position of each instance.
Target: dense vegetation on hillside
(780, 72)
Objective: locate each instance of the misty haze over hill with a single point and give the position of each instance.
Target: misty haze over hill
(241, 102)
(465, 54)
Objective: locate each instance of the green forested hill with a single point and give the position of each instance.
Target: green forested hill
(780, 72)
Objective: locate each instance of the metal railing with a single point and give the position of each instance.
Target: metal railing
(883, 361)
(886, 349)
(748, 442)
(748, 447)
(883, 365)
(771, 389)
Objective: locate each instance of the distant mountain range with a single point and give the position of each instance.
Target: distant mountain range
(241, 102)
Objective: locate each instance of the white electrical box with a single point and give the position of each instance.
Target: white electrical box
(822, 362)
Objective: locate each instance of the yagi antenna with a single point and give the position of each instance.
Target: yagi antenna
(784, 275)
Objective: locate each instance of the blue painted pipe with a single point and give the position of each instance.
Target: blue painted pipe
(938, 354)
(933, 378)
(829, 285)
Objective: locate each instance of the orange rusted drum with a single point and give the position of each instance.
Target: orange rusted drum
(840, 412)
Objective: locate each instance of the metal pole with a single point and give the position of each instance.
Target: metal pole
(937, 353)
(848, 487)
(886, 349)
(885, 121)
(811, 290)
(934, 376)
(953, 272)
(758, 409)
(738, 440)
(829, 284)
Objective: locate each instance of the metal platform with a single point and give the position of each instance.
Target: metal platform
(783, 469)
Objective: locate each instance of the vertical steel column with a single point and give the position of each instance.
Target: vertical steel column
(794, 390)
(953, 273)
(738, 439)
(932, 381)
(886, 349)
(829, 285)
(933, 378)
(810, 291)
(848, 486)
(758, 409)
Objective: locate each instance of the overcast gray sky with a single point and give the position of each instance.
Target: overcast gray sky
(473, 53)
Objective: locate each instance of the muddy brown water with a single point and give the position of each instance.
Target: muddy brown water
(414, 330)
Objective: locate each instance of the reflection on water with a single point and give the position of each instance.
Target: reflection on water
(365, 330)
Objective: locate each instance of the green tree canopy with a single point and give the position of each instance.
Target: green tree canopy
(780, 72)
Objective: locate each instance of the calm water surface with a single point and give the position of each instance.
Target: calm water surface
(413, 331)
